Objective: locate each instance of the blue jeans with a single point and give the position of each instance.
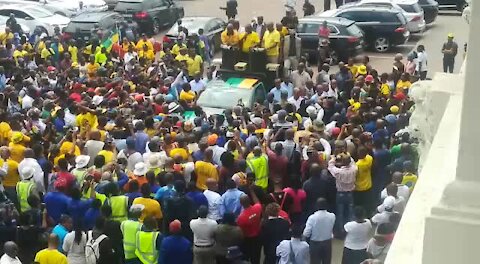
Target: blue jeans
(344, 210)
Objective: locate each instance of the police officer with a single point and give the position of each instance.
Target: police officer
(130, 228)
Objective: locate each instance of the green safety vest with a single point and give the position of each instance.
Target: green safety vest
(24, 188)
(99, 196)
(119, 206)
(259, 166)
(146, 247)
(129, 230)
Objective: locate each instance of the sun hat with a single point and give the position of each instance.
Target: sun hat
(172, 107)
(81, 161)
(17, 137)
(27, 173)
(154, 161)
(318, 125)
(362, 69)
(394, 109)
(140, 169)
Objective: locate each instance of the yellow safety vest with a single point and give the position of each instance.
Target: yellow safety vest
(259, 166)
(146, 247)
(24, 188)
(130, 229)
(119, 206)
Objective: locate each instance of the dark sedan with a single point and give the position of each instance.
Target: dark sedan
(430, 10)
(346, 38)
(212, 27)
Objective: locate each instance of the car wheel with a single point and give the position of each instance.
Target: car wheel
(156, 27)
(381, 44)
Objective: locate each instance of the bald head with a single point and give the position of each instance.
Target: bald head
(53, 241)
(28, 153)
(11, 249)
(257, 151)
(397, 177)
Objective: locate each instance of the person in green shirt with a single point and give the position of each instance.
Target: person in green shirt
(101, 57)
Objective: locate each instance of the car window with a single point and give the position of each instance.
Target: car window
(216, 24)
(19, 14)
(260, 93)
(311, 28)
(415, 8)
(333, 29)
(386, 17)
(358, 16)
(130, 6)
(75, 26)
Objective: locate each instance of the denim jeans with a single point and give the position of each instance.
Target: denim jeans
(344, 210)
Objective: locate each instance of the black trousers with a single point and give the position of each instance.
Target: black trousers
(351, 256)
(423, 75)
(252, 248)
(364, 199)
(448, 64)
(321, 252)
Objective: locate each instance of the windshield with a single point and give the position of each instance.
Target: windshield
(415, 8)
(80, 26)
(38, 12)
(190, 24)
(225, 98)
(131, 6)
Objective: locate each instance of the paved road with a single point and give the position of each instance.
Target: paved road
(273, 10)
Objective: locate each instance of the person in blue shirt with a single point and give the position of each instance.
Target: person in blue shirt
(134, 191)
(167, 191)
(78, 206)
(3, 79)
(57, 203)
(62, 229)
(196, 195)
(141, 138)
(230, 200)
(175, 249)
(92, 214)
(287, 85)
(277, 90)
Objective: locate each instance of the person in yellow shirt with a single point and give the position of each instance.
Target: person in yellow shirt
(92, 67)
(126, 44)
(230, 36)
(205, 170)
(146, 54)
(271, 42)
(101, 57)
(51, 254)
(19, 53)
(187, 94)
(363, 182)
(16, 147)
(12, 177)
(6, 36)
(47, 52)
(182, 56)
(73, 50)
(249, 39)
(142, 42)
(404, 84)
(152, 206)
(178, 46)
(194, 63)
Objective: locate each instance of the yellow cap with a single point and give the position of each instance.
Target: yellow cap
(450, 35)
(17, 137)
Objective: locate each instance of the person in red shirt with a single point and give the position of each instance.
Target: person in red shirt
(277, 165)
(64, 174)
(249, 222)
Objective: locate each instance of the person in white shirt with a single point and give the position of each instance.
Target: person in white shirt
(10, 256)
(387, 210)
(203, 237)
(398, 204)
(319, 230)
(358, 235)
(296, 99)
(300, 76)
(403, 190)
(30, 162)
(422, 69)
(197, 84)
(213, 199)
(294, 250)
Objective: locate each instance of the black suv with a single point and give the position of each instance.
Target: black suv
(82, 27)
(346, 38)
(453, 4)
(430, 10)
(150, 15)
(383, 27)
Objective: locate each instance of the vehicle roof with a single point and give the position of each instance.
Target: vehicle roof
(389, 1)
(92, 17)
(233, 82)
(131, 1)
(334, 12)
(332, 20)
(406, 2)
(193, 24)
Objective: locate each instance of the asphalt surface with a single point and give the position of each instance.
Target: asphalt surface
(273, 10)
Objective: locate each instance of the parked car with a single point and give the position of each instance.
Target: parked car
(212, 28)
(346, 38)
(459, 5)
(49, 6)
(430, 10)
(111, 3)
(150, 15)
(69, 8)
(81, 27)
(35, 16)
(383, 27)
(410, 9)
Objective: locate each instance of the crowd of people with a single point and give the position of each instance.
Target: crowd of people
(105, 157)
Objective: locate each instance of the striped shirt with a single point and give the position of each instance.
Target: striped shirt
(345, 175)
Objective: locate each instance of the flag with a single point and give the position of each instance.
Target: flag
(114, 38)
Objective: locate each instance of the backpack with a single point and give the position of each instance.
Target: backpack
(92, 248)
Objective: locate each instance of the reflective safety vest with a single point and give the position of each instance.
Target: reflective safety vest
(146, 247)
(99, 196)
(130, 229)
(24, 188)
(119, 206)
(259, 166)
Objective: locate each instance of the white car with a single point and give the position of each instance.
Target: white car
(3, 25)
(410, 9)
(74, 5)
(35, 17)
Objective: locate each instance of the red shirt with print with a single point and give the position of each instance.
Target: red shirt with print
(249, 220)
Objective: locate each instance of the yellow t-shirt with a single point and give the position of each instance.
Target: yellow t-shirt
(107, 154)
(176, 48)
(179, 151)
(12, 176)
(92, 68)
(230, 40)
(272, 42)
(5, 131)
(40, 46)
(50, 256)
(204, 171)
(364, 176)
(249, 41)
(66, 147)
(187, 96)
(194, 65)
(87, 118)
(46, 53)
(385, 89)
(402, 86)
(16, 151)
(19, 54)
(141, 42)
(181, 57)
(149, 55)
(152, 208)
(4, 37)
(410, 180)
(73, 50)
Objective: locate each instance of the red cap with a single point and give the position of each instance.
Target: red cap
(369, 78)
(335, 131)
(400, 96)
(60, 183)
(175, 226)
(91, 90)
(139, 98)
(51, 68)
